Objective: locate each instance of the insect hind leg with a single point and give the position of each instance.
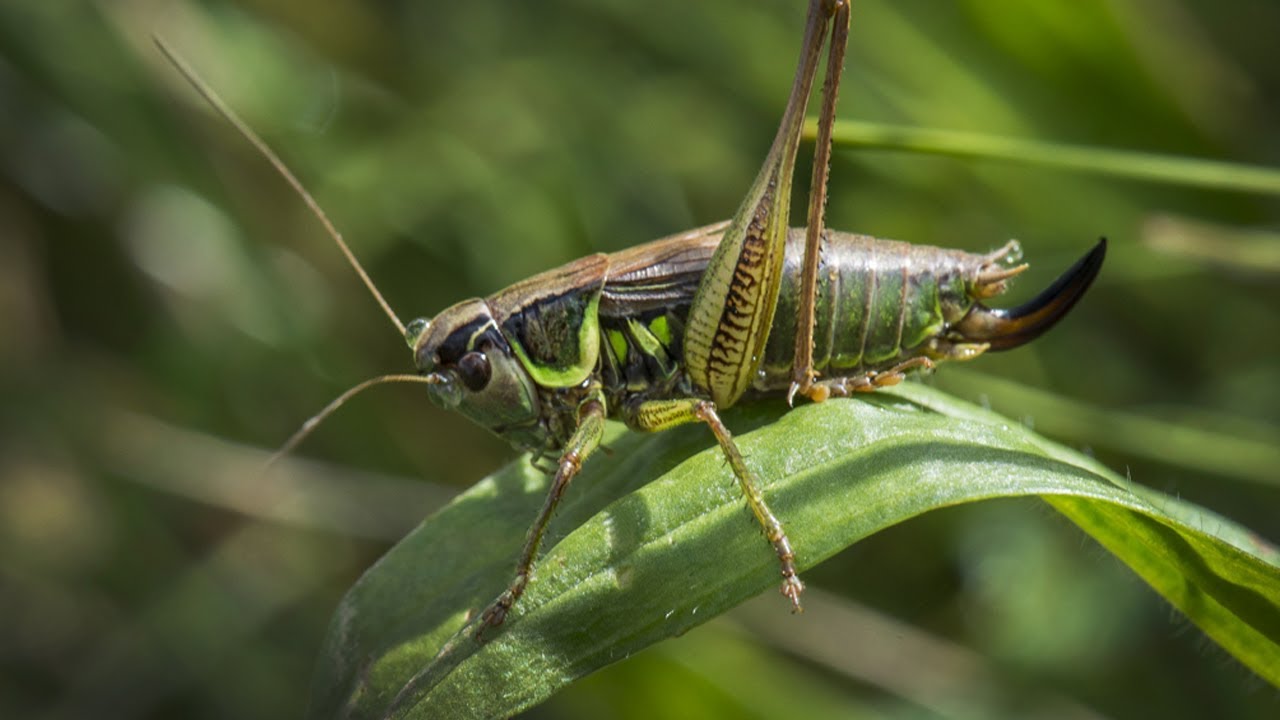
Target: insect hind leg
(870, 381)
(803, 373)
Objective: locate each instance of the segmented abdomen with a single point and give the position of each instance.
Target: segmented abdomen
(878, 302)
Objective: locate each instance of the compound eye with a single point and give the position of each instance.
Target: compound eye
(474, 370)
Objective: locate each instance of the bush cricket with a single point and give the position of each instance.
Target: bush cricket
(676, 330)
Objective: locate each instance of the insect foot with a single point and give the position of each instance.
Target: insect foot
(496, 613)
(792, 587)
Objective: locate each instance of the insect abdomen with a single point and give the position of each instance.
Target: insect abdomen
(878, 302)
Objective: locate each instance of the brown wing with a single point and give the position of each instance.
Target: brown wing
(658, 274)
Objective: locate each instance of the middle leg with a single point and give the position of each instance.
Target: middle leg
(656, 415)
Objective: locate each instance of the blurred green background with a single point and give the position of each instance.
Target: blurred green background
(169, 313)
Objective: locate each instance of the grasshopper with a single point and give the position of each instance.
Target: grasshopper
(675, 331)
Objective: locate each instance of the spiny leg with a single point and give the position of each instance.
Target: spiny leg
(733, 308)
(870, 382)
(937, 349)
(662, 414)
(586, 438)
(803, 375)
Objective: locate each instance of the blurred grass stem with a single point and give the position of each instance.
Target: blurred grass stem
(1147, 167)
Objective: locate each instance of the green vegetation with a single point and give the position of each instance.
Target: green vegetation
(671, 555)
(169, 314)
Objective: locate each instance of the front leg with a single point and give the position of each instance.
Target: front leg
(585, 439)
(656, 415)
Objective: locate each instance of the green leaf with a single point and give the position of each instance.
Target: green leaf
(654, 539)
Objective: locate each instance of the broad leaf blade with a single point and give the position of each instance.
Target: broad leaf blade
(656, 540)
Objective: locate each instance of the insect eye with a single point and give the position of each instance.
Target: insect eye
(474, 370)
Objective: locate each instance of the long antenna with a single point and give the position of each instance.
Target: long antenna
(310, 424)
(243, 128)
